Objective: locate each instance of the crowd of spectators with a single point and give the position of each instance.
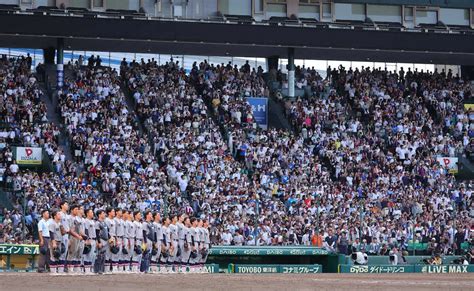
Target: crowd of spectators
(357, 172)
(23, 123)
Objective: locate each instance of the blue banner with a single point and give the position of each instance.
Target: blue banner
(259, 110)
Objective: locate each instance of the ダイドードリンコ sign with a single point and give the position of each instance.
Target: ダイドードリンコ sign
(29, 156)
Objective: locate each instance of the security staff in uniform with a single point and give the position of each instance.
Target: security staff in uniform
(137, 247)
(102, 242)
(90, 231)
(56, 237)
(109, 220)
(44, 236)
(157, 243)
(65, 225)
(117, 259)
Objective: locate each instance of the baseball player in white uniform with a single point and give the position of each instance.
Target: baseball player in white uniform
(181, 237)
(193, 258)
(65, 225)
(137, 246)
(148, 239)
(90, 232)
(166, 248)
(117, 259)
(173, 259)
(56, 238)
(187, 245)
(158, 241)
(111, 225)
(102, 242)
(75, 238)
(206, 244)
(128, 240)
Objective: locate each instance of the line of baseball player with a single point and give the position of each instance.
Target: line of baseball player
(122, 241)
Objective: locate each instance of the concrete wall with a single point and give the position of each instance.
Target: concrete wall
(79, 3)
(454, 16)
(235, 7)
(385, 13)
(426, 17)
(308, 11)
(345, 11)
(278, 10)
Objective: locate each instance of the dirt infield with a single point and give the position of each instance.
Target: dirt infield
(228, 282)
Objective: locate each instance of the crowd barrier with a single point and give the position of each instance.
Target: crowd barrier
(16, 257)
(379, 269)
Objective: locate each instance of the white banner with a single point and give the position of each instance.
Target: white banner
(29, 156)
(449, 163)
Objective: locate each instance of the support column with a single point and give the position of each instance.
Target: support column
(272, 68)
(467, 72)
(60, 62)
(291, 72)
(48, 55)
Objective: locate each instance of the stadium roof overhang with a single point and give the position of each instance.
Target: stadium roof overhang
(221, 39)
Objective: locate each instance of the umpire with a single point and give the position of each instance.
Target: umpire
(43, 230)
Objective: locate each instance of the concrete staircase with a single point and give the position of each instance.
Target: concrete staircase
(5, 201)
(466, 169)
(50, 98)
(276, 115)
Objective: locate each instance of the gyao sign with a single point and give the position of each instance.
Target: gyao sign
(29, 156)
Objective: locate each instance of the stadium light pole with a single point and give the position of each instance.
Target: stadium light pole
(291, 72)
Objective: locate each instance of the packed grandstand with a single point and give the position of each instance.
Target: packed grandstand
(357, 169)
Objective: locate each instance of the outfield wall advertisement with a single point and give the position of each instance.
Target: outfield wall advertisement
(259, 110)
(280, 269)
(29, 156)
(378, 269)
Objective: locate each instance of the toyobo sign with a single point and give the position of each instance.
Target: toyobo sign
(259, 110)
(29, 156)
